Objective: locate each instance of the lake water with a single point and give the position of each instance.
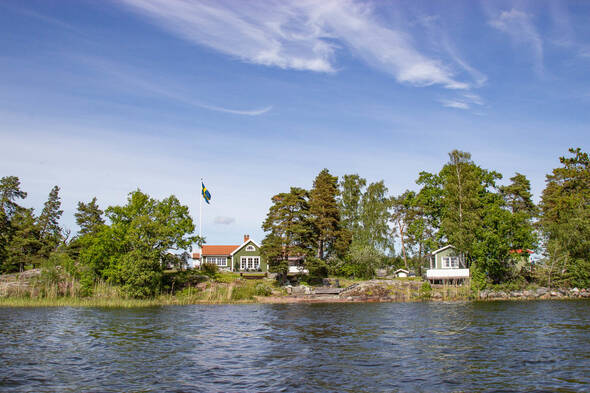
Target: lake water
(430, 347)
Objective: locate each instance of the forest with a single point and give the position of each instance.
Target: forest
(342, 226)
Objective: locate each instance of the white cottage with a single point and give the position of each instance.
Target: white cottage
(447, 266)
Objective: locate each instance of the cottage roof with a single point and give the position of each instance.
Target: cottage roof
(196, 255)
(243, 244)
(401, 270)
(218, 250)
(442, 249)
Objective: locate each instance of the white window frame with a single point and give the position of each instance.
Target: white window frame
(219, 261)
(250, 248)
(249, 262)
(450, 262)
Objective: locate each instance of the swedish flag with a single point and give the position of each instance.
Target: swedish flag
(206, 193)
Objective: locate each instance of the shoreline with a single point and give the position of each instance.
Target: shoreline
(15, 302)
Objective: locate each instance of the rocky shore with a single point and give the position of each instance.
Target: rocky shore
(539, 293)
(407, 291)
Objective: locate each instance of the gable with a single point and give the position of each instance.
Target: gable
(246, 245)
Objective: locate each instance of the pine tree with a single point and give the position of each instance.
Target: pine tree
(89, 217)
(324, 212)
(290, 229)
(48, 221)
(10, 192)
(565, 204)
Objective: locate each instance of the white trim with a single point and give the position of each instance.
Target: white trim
(243, 244)
(246, 260)
(442, 249)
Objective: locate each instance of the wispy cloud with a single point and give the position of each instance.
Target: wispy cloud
(519, 26)
(126, 75)
(222, 220)
(465, 101)
(455, 104)
(303, 35)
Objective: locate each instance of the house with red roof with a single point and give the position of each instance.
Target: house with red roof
(236, 258)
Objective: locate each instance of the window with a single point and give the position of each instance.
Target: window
(219, 261)
(250, 248)
(249, 263)
(451, 262)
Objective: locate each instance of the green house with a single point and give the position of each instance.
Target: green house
(235, 258)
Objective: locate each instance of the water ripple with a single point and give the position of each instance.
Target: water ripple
(418, 347)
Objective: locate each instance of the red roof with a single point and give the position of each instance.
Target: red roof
(196, 255)
(520, 251)
(218, 250)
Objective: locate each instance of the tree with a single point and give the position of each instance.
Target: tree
(403, 215)
(89, 217)
(48, 221)
(290, 229)
(131, 249)
(351, 193)
(24, 244)
(461, 212)
(374, 217)
(325, 216)
(565, 204)
(518, 200)
(10, 192)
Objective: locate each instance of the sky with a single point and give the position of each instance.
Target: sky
(105, 97)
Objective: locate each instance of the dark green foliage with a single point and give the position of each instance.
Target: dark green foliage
(565, 204)
(89, 217)
(324, 212)
(24, 242)
(48, 221)
(139, 274)
(10, 193)
(290, 229)
(317, 268)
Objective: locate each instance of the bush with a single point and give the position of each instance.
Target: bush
(209, 269)
(263, 289)
(139, 275)
(317, 268)
(425, 290)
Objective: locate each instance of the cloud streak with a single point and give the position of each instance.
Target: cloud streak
(304, 35)
(126, 75)
(519, 26)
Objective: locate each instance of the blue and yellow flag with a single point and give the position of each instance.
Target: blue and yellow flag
(206, 193)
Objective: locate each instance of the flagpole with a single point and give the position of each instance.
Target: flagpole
(201, 212)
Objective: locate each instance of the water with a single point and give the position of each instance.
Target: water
(430, 347)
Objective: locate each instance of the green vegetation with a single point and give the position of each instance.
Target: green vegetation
(346, 228)
(341, 228)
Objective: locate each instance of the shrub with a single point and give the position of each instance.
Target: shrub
(425, 290)
(361, 262)
(317, 269)
(209, 269)
(263, 289)
(139, 275)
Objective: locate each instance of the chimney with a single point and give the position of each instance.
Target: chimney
(246, 238)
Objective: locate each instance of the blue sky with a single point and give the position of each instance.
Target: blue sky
(101, 98)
